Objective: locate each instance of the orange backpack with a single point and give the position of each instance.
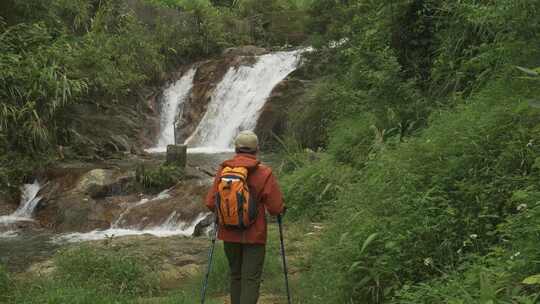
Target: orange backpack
(235, 205)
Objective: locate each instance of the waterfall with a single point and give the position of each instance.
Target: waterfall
(238, 99)
(29, 201)
(174, 97)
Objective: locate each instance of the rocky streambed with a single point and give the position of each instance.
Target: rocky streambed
(101, 204)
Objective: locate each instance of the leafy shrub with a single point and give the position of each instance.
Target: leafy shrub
(159, 178)
(353, 141)
(477, 282)
(433, 199)
(104, 270)
(311, 192)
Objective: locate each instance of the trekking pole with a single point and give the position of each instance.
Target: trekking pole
(210, 256)
(280, 223)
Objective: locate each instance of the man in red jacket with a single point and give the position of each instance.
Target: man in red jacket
(245, 248)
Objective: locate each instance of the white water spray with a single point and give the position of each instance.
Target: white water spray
(174, 97)
(29, 202)
(238, 100)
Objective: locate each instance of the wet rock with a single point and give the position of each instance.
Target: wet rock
(182, 204)
(81, 197)
(148, 135)
(202, 226)
(99, 183)
(74, 212)
(274, 114)
(94, 180)
(247, 50)
(7, 207)
(19, 225)
(209, 75)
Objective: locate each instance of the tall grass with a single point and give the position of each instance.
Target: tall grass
(425, 207)
(5, 283)
(86, 275)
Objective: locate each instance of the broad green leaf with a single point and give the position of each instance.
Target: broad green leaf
(532, 280)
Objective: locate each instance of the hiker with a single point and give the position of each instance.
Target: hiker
(244, 235)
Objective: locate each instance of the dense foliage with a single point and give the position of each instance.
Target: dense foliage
(415, 143)
(426, 103)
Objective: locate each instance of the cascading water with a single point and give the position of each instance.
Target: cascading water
(29, 201)
(169, 227)
(235, 106)
(238, 99)
(174, 97)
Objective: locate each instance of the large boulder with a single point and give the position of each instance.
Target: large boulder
(100, 183)
(205, 225)
(181, 205)
(82, 200)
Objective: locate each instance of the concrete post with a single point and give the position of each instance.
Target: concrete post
(177, 155)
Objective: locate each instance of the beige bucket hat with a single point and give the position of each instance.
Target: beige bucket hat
(246, 140)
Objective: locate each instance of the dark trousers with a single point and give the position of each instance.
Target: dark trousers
(246, 263)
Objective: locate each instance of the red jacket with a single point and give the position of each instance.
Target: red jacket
(267, 194)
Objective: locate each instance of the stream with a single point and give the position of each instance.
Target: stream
(85, 202)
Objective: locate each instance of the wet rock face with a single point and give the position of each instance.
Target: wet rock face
(83, 200)
(148, 135)
(99, 183)
(247, 50)
(182, 204)
(209, 75)
(274, 114)
(85, 197)
(204, 224)
(6, 206)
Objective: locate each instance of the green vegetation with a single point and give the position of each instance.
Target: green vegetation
(158, 178)
(4, 282)
(107, 271)
(427, 128)
(87, 275)
(110, 274)
(75, 75)
(415, 143)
